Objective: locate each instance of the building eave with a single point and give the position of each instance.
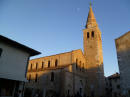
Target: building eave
(120, 37)
(20, 46)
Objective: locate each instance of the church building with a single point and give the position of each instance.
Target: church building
(73, 73)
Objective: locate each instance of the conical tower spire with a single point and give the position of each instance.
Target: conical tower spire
(91, 20)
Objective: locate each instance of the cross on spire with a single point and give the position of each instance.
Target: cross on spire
(90, 3)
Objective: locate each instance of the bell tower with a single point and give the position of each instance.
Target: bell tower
(93, 54)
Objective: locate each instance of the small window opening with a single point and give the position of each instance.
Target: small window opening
(80, 65)
(36, 66)
(36, 78)
(76, 63)
(31, 66)
(29, 79)
(92, 33)
(42, 65)
(48, 63)
(56, 63)
(87, 34)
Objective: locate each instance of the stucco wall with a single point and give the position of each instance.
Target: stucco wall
(123, 55)
(13, 63)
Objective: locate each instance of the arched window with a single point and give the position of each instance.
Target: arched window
(29, 79)
(92, 33)
(56, 63)
(48, 63)
(31, 67)
(87, 34)
(36, 66)
(42, 65)
(36, 77)
(52, 76)
(76, 63)
(80, 65)
(1, 51)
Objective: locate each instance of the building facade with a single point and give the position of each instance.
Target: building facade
(14, 59)
(123, 55)
(113, 85)
(62, 74)
(71, 73)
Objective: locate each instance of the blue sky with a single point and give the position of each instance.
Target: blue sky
(55, 26)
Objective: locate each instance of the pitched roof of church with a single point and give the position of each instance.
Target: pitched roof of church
(59, 54)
